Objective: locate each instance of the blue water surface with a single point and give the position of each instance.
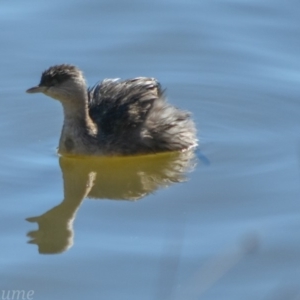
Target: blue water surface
(223, 225)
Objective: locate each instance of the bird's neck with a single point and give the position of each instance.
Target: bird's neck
(78, 128)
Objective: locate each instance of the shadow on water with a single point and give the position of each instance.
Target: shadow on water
(114, 178)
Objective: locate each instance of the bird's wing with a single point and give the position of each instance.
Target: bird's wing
(117, 106)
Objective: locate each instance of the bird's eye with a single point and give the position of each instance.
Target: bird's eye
(54, 81)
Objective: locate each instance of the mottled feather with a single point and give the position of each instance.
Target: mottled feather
(122, 105)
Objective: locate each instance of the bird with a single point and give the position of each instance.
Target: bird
(115, 117)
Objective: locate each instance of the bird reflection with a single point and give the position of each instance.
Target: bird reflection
(114, 178)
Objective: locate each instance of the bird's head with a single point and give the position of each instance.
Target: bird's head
(62, 82)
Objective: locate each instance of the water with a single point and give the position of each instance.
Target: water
(181, 233)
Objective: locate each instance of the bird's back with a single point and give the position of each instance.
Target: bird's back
(122, 105)
(134, 117)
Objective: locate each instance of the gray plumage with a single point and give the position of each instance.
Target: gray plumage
(115, 117)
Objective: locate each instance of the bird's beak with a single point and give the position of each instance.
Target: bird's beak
(36, 89)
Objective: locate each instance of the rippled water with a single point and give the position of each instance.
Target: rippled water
(223, 225)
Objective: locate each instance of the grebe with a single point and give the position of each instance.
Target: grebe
(115, 117)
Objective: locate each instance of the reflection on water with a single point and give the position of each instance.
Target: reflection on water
(115, 178)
